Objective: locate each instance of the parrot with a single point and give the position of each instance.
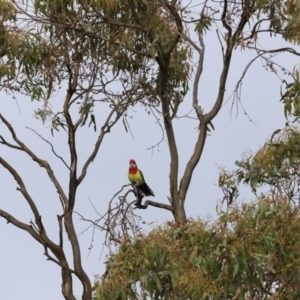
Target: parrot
(135, 176)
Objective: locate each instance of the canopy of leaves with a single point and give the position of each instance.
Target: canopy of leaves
(60, 38)
(90, 45)
(292, 13)
(291, 97)
(22, 54)
(275, 165)
(124, 40)
(251, 252)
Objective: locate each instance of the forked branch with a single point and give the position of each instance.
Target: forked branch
(21, 225)
(42, 163)
(104, 129)
(207, 118)
(24, 192)
(52, 148)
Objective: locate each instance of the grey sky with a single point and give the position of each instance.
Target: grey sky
(24, 271)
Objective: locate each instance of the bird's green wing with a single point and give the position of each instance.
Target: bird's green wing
(142, 176)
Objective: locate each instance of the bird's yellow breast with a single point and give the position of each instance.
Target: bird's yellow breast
(135, 178)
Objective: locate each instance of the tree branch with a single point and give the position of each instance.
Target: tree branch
(156, 204)
(42, 163)
(286, 49)
(135, 15)
(24, 192)
(52, 148)
(226, 64)
(189, 169)
(104, 129)
(4, 142)
(178, 21)
(223, 18)
(206, 119)
(173, 175)
(49, 257)
(73, 184)
(71, 138)
(40, 235)
(21, 225)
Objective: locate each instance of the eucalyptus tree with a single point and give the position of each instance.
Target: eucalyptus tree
(117, 54)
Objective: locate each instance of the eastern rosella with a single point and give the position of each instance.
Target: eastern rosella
(135, 176)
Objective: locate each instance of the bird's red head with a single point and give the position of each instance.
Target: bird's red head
(132, 163)
(132, 166)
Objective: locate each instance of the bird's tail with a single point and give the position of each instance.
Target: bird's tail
(146, 189)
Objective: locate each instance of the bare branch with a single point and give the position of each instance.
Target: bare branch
(59, 218)
(73, 184)
(119, 221)
(223, 18)
(95, 223)
(24, 192)
(50, 146)
(42, 163)
(226, 64)
(237, 90)
(4, 142)
(285, 49)
(206, 119)
(79, 271)
(43, 239)
(73, 78)
(162, 132)
(41, 236)
(21, 225)
(187, 176)
(104, 129)
(49, 257)
(197, 78)
(156, 204)
(221, 44)
(69, 225)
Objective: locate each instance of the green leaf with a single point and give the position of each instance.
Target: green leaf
(158, 283)
(254, 182)
(287, 109)
(123, 295)
(235, 269)
(239, 164)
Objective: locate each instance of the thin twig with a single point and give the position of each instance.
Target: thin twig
(50, 146)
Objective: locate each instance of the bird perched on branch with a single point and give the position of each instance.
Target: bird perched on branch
(136, 177)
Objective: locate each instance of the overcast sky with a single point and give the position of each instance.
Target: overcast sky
(24, 271)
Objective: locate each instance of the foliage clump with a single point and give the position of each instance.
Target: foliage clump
(275, 165)
(251, 252)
